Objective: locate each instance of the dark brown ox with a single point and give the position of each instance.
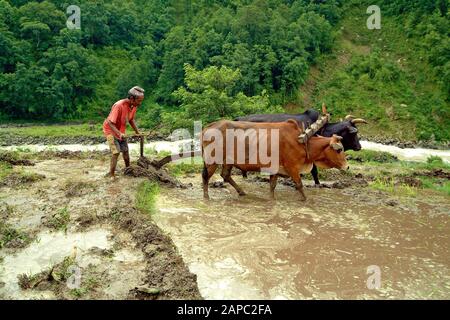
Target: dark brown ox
(293, 157)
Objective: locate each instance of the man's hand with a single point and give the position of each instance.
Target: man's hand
(123, 136)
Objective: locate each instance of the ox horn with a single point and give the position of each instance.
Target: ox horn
(357, 121)
(349, 117)
(324, 108)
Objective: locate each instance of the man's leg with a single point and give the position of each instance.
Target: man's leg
(114, 155)
(126, 158)
(112, 168)
(125, 153)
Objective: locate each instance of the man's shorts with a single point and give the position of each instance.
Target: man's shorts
(115, 145)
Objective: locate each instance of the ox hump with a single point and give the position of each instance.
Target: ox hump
(294, 124)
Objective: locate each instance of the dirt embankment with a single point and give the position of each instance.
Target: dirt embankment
(8, 139)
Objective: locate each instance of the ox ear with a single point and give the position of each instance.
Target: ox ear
(336, 144)
(352, 129)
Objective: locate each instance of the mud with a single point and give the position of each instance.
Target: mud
(7, 139)
(9, 157)
(116, 247)
(74, 155)
(254, 248)
(342, 181)
(145, 168)
(435, 173)
(231, 247)
(165, 269)
(20, 179)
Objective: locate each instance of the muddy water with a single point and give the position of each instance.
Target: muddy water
(117, 273)
(253, 248)
(408, 154)
(159, 146)
(49, 249)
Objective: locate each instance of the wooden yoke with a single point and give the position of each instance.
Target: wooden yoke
(315, 127)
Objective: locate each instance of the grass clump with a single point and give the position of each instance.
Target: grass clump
(59, 220)
(178, 169)
(56, 279)
(11, 237)
(390, 186)
(89, 130)
(371, 156)
(5, 170)
(146, 196)
(436, 184)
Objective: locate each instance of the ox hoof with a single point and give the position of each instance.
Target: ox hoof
(242, 193)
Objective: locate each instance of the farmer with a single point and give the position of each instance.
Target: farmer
(115, 125)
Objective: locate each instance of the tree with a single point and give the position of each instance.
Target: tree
(211, 94)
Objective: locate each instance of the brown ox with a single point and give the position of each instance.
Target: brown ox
(293, 158)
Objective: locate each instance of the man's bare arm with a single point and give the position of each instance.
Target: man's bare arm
(133, 125)
(114, 129)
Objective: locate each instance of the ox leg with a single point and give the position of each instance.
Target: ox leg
(226, 175)
(207, 173)
(315, 175)
(273, 184)
(295, 175)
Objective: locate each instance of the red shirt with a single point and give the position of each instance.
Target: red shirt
(121, 112)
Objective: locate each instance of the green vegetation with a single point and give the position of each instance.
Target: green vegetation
(399, 177)
(182, 168)
(62, 272)
(210, 59)
(89, 284)
(146, 196)
(88, 130)
(212, 94)
(371, 156)
(11, 177)
(50, 72)
(389, 185)
(59, 220)
(11, 236)
(5, 170)
(395, 77)
(57, 277)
